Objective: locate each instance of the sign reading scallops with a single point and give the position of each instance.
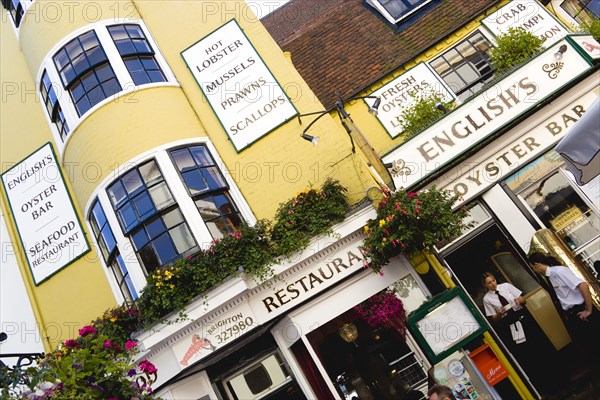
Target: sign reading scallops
(529, 15)
(48, 227)
(402, 92)
(241, 90)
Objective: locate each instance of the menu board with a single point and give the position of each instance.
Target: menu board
(445, 323)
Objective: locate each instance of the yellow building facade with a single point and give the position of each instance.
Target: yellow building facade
(135, 133)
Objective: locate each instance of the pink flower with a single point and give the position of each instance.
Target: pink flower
(107, 344)
(71, 344)
(412, 194)
(130, 344)
(147, 367)
(86, 330)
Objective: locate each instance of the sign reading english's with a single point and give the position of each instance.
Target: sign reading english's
(241, 90)
(48, 226)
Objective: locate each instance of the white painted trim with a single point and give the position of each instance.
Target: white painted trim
(511, 217)
(377, 5)
(179, 192)
(115, 61)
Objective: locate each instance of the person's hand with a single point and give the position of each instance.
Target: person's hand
(583, 315)
(501, 313)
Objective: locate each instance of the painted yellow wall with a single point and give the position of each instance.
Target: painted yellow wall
(122, 129)
(60, 306)
(281, 163)
(48, 22)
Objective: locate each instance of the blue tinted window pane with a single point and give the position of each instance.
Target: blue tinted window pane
(128, 217)
(213, 178)
(83, 105)
(98, 213)
(183, 159)
(201, 156)
(149, 63)
(125, 48)
(156, 76)
(142, 47)
(89, 81)
(111, 87)
(144, 206)
(194, 181)
(135, 31)
(223, 204)
(116, 192)
(165, 248)
(132, 182)
(140, 77)
(155, 228)
(109, 239)
(140, 239)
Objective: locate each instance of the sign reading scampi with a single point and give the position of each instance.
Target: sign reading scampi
(48, 226)
(241, 90)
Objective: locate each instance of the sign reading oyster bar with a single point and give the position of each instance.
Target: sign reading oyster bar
(48, 226)
(241, 90)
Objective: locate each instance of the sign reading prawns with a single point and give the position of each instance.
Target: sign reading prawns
(47, 223)
(241, 90)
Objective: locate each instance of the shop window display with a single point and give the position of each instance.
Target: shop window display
(555, 201)
(369, 363)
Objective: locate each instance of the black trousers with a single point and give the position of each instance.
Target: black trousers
(535, 355)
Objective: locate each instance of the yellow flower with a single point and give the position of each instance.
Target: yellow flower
(159, 284)
(113, 319)
(384, 240)
(381, 222)
(366, 229)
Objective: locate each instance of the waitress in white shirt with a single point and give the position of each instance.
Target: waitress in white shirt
(504, 306)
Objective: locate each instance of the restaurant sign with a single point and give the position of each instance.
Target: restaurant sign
(41, 206)
(239, 87)
(213, 334)
(485, 114)
(473, 177)
(402, 93)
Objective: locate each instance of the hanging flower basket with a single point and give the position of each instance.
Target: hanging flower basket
(383, 309)
(409, 222)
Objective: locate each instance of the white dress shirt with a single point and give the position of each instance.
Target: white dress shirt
(565, 284)
(491, 302)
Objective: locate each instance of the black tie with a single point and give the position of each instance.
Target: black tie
(503, 301)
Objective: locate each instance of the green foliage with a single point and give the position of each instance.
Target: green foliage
(252, 249)
(407, 223)
(118, 322)
(592, 27)
(310, 213)
(513, 48)
(90, 367)
(422, 113)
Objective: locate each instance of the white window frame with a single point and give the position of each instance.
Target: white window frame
(116, 62)
(379, 7)
(180, 194)
(25, 4)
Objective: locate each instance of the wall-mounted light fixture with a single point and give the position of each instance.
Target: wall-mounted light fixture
(440, 106)
(560, 52)
(356, 137)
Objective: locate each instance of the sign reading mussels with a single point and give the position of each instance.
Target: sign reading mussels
(246, 97)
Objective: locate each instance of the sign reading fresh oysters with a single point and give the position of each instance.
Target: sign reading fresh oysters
(243, 93)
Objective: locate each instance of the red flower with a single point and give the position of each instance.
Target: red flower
(130, 344)
(87, 330)
(147, 367)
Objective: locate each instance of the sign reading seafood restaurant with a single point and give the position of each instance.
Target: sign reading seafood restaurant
(41, 206)
(476, 120)
(241, 90)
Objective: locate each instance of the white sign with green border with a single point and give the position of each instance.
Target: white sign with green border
(529, 15)
(48, 226)
(240, 88)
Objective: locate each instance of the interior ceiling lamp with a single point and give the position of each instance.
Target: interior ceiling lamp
(561, 50)
(348, 332)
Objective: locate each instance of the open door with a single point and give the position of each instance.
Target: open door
(539, 303)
